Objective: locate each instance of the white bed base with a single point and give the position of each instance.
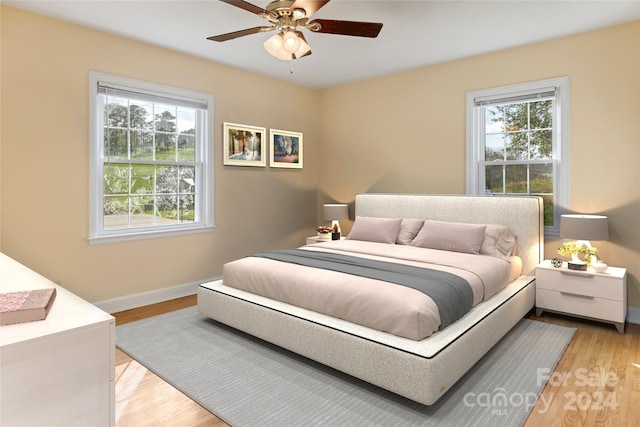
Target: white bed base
(418, 370)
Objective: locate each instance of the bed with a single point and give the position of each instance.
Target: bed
(422, 367)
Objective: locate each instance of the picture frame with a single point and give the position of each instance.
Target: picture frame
(286, 149)
(244, 145)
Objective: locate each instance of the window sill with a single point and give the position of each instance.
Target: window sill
(129, 237)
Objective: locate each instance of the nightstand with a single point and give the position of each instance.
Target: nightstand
(317, 239)
(597, 296)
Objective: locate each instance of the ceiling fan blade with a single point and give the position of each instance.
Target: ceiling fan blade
(309, 6)
(247, 6)
(236, 34)
(348, 28)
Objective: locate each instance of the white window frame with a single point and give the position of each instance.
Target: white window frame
(560, 152)
(204, 218)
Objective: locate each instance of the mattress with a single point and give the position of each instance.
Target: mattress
(427, 348)
(383, 306)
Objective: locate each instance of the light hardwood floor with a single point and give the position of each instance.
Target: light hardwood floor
(596, 383)
(143, 398)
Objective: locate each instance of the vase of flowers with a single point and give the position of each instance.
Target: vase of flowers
(575, 249)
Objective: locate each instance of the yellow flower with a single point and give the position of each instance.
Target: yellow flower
(578, 248)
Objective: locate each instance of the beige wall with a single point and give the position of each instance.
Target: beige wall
(44, 169)
(1, 127)
(401, 133)
(406, 132)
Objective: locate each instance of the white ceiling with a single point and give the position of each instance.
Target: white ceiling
(416, 33)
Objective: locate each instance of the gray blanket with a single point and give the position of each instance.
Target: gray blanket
(452, 294)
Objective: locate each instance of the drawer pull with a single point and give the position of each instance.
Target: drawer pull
(570, 273)
(577, 295)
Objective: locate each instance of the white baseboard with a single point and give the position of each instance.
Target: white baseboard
(141, 299)
(633, 315)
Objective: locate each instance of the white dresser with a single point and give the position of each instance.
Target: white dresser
(599, 296)
(58, 371)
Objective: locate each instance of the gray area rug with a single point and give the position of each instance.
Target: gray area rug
(248, 382)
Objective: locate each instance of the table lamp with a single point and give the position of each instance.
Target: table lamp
(334, 212)
(583, 229)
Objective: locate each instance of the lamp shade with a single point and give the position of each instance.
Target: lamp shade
(290, 42)
(335, 211)
(584, 227)
(275, 46)
(287, 46)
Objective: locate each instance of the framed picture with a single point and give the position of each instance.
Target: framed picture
(286, 149)
(244, 145)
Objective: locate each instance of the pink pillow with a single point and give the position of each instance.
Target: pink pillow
(451, 236)
(409, 228)
(373, 229)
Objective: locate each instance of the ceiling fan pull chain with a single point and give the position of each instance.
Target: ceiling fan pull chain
(291, 69)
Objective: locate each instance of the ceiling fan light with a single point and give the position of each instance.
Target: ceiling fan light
(304, 48)
(291, 41)
(299, 13)
(275, 46)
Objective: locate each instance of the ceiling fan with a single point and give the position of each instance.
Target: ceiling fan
(288, 16)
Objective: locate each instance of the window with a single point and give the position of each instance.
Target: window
(517, 143)
(151, 167)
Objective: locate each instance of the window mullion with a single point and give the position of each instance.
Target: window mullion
(504, 180)
(528, 140)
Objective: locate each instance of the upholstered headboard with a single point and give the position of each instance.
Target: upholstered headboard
(522, 214)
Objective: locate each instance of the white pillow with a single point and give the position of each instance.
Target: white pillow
(451, 236)
(499, 242)
(373, 229)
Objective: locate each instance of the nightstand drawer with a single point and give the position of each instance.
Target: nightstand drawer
(586, 284)
(588, 306)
